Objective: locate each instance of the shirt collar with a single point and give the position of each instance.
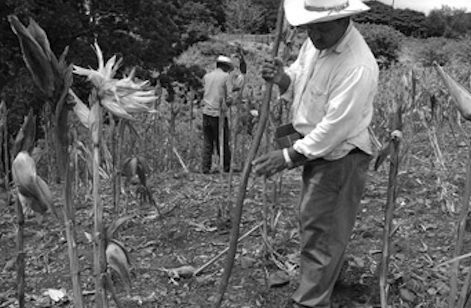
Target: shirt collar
(341, 45)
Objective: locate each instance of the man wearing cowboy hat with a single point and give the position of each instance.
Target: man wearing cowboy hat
(217, 85)
(331, 85)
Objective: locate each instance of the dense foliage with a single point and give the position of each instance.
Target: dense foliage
(384, 42)
(446, 21)
(150, 34)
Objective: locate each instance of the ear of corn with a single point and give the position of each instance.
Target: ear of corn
(460, 95)
(39, 35)
(118, 260)
(33, 191)
(121, 97)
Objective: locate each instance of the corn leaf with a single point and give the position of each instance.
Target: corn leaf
(111, 229)
(112, 105)
(382, 155)
(33, 191)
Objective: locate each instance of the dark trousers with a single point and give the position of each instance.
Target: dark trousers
(211, 141)
(329, 203)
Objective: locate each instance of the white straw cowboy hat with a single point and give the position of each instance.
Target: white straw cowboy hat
(301, 12)
(224, 59)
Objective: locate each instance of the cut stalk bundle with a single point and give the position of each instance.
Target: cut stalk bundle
(393, 148)
(389, 214)
(237, 212)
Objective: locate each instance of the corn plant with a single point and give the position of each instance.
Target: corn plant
(53, 77)
(32, 193)
(121, 98)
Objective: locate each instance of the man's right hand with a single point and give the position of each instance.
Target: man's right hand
(273, 71)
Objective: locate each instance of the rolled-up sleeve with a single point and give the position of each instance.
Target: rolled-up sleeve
(348, 112)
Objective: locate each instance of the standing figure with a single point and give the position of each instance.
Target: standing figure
(216, 94)
(331, 86)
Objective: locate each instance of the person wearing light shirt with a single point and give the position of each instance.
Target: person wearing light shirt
(332, 85)
(219, 88)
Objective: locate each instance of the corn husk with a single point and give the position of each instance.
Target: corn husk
(118, 260)
(33, 190)
(461, 96)
(36, 53)
(81, 110)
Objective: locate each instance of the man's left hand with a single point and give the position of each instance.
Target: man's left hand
(270, 163)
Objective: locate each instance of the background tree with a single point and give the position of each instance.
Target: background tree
(196, 23)
(409, 22)
(269, 17)
(448, 22)
(243, 16)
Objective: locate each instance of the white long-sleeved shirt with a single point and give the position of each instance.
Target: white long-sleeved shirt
(332, 93)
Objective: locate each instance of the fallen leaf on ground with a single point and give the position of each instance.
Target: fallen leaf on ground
(278, 279)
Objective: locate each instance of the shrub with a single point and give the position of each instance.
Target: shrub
(436, 49)
(384, 41)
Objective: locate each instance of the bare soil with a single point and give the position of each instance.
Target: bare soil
(190, 232)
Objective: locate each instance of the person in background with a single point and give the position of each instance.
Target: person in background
(219, 86)
(331, 85)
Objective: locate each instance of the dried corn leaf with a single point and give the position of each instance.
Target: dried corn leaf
(112, 105)
(133, 166)
(185, 271)
(111, 229)
(382, 155)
